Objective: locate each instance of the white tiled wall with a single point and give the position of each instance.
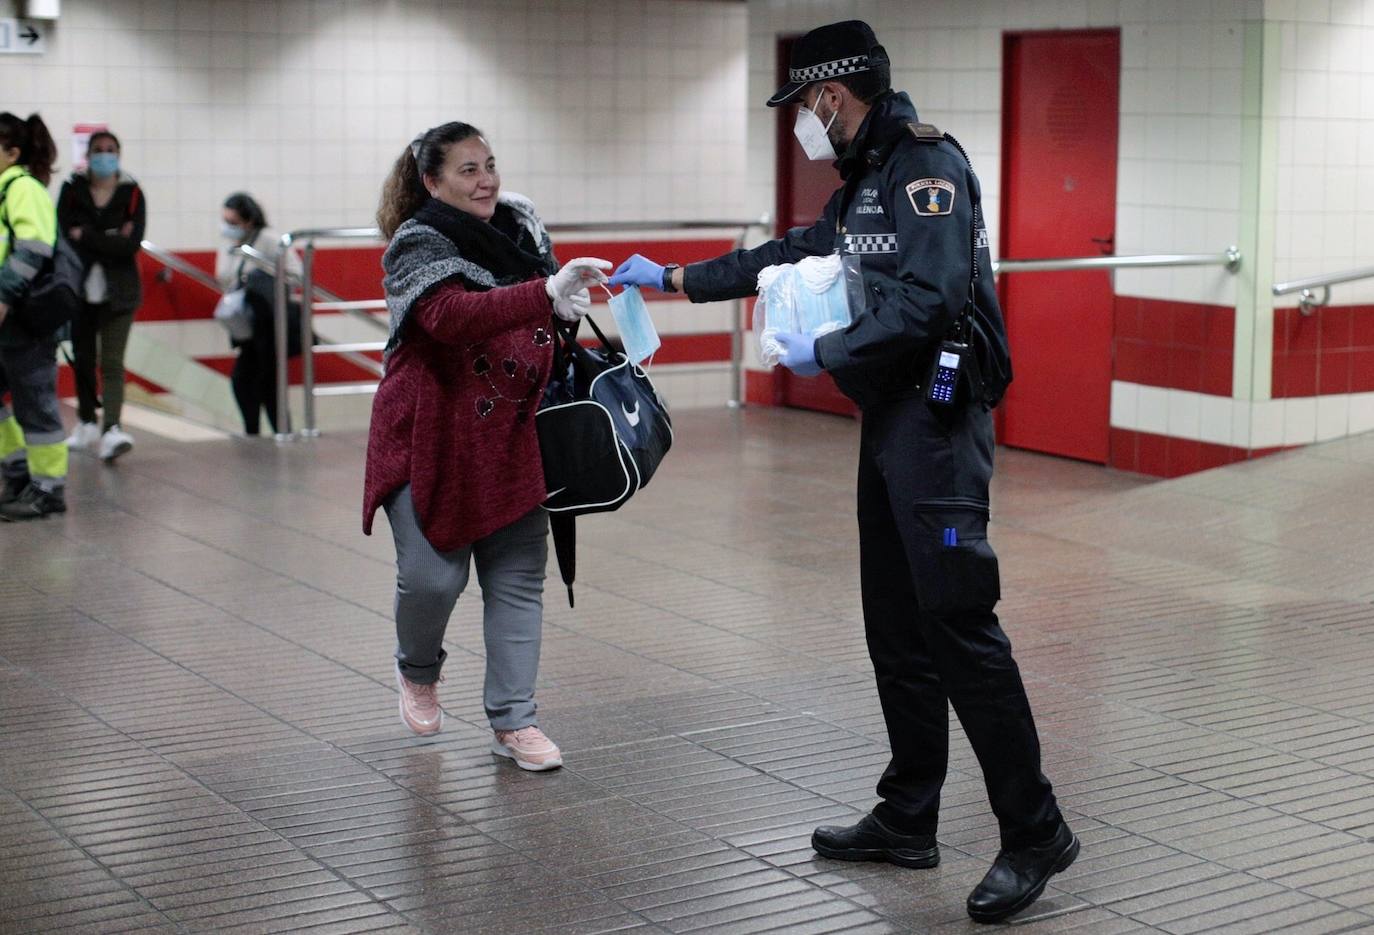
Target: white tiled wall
(1179, 163)
(1178, 186)
(599, 111)
(1324, 216)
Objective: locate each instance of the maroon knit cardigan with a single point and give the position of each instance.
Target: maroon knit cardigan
(454, 414)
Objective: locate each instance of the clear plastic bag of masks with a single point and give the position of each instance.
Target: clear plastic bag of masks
(815, 296)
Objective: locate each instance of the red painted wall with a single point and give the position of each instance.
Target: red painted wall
(1177, 345)
(1329, 352)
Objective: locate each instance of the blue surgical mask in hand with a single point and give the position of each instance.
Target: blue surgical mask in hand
(637, 330)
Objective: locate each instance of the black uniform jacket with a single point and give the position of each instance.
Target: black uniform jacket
(906, 210)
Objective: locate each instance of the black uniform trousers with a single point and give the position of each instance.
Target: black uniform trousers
(930, 581)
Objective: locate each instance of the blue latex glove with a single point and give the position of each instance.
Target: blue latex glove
(798, 353)
(640, 271)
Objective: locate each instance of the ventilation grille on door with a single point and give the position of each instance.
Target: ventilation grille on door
(1066, 117)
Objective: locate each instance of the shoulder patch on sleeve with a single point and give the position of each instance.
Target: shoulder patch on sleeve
(931, 197)
(925, 132)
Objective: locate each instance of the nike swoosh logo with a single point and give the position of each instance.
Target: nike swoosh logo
(631, 417)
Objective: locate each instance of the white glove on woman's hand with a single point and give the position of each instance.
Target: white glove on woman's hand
(576, 275)
(572, 307)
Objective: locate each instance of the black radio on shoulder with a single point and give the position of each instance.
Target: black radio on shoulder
(954, 376)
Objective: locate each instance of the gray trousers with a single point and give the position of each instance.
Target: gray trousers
(510, 569)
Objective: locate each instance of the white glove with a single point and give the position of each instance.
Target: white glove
(572, 307)
(576, 275)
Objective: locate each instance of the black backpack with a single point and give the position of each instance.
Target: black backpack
(54, 295)
(603, 430)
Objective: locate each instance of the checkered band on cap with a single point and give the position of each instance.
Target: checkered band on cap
(841, 66)
(870, 243)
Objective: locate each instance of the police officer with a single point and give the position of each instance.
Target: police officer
(908, 211)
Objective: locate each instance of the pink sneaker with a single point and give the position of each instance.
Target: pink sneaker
(420, 709)
(529, 748)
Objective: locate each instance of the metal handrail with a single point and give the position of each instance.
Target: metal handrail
(174, 263)
(308, 291)
(1324, 281)
(333, 303)
(594, 227)
(348, 352)
(343, 350)
(353, 305)
(1230, 259)
(263, 262)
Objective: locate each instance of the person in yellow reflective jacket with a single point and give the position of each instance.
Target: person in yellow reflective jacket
(33, 450)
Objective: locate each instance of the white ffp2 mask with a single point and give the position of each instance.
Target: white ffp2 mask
(814, 136)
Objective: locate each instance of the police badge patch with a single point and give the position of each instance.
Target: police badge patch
(931, 197)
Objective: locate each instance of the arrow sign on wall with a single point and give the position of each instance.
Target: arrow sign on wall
(22, 37)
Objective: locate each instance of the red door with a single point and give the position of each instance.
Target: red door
(1059, 137)
(803, 189)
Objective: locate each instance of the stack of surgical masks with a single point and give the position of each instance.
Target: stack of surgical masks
(806, 297)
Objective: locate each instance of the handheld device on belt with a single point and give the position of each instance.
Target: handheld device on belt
(955, 365)
(943, 385)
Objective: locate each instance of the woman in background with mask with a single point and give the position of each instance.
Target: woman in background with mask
(242, 221)
(254, 377)
(102, 211)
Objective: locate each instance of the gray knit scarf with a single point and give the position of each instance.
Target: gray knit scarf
(421, 257)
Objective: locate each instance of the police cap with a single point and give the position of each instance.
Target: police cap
(829, 52)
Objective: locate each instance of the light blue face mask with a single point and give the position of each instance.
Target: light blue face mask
(637, 330)
(104, 165)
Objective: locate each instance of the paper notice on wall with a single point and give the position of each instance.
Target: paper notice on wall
(81, 141)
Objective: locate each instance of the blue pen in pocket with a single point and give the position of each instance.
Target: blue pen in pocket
(951, 536)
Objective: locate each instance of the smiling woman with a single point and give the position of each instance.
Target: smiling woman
(433, 156)
(471, 284)
(468, 179)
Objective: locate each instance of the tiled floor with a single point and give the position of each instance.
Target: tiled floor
(198, 728)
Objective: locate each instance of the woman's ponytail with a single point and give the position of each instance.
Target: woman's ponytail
(42, 151)
(37, 151)
(402, 194)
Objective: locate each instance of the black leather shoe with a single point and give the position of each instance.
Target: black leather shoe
(1017, 878)
(870, 839)
(33, 502)
(12, 488)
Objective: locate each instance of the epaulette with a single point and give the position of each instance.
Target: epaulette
(926, 132)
